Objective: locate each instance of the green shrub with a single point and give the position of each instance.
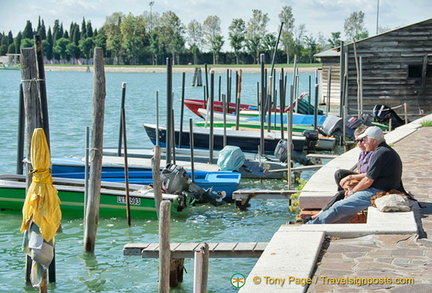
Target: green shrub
(426, 123)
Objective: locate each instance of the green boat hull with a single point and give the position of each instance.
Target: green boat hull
(112, 202)
(255, 125)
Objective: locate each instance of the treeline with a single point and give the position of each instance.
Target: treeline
(150, 38)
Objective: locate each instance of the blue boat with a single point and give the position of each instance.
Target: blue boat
(221, 181)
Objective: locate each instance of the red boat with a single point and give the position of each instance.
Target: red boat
(194, 105)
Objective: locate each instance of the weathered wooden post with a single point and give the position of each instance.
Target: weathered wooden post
(33, 102)
(21, 132)
(211, 111)
(155, 162)
(169, 107)
(123, 100)
(28, 76)
(126, 167)
(92, 212)
(164, 246)
(201, 265)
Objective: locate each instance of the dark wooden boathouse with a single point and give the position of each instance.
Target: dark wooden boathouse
(392, 68)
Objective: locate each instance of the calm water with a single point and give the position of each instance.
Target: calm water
(70, 108)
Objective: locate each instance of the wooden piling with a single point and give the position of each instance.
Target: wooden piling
(155, 162)
(201, 265)
(21, 132)
(36, 116)
(99, 93)
(182, 109)
(126, 167)
(211, 103)
(191, 144)
(164, 246)
(122, 106)
(169, 107)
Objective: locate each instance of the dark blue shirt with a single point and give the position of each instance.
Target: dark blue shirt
(385, 168)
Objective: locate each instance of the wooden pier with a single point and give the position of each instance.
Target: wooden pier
(187, 250)
(243, 196)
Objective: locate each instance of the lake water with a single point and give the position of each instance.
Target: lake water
(70, 108)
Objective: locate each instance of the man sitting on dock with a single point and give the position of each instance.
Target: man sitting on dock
(384, 174)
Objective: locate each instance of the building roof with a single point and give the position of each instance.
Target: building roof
(335, 52)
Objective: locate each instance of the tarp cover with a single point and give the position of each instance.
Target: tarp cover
(230, 158)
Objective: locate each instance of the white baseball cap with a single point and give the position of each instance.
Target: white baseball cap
(373, 132)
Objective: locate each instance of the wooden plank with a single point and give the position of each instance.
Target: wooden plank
(245, 246)
(152, 247)
(186, 250)
(225, 247)
(134, 248)
(261, 246)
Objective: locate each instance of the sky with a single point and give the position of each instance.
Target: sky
(318, 16)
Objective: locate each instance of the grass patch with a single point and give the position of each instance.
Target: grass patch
(426, 123)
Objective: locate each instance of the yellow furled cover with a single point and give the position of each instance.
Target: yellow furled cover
(42, 204)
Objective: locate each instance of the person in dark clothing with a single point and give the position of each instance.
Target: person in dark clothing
(384, 174)
(344, 178)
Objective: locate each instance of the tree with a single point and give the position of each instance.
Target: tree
(89, 29)
(86, 46)
(237, 36)
(74, 51)
(84, 29)
(60, 49)
(311, 47)
(57, 32)
(48, 45)
(335, 40)
(155, 47)
(194, 38)
(287, 18)
(133, 32)
(41, 31)
(212, 35)
(100, 39)
(17, 43)
(269, 43)
(354, 26)
(170, 33)
(28, 31)
(256, 29)
(113, 35)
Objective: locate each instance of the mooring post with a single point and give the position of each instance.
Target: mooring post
(201, 260)
(122, 106)
(99, 92)
(21, 132)
(164, 246)
(155, 162)
(36, 116)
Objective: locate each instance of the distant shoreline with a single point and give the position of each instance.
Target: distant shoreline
(176, 69)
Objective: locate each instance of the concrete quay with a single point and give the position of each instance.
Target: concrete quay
(391, 252)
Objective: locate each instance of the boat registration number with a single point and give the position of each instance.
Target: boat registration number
(132, 200)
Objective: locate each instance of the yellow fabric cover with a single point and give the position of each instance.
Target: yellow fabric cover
(42, 204)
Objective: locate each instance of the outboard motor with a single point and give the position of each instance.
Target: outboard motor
(383, 114)
(174, 179)
(281, 154)
(311, 140)
(201, 195)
